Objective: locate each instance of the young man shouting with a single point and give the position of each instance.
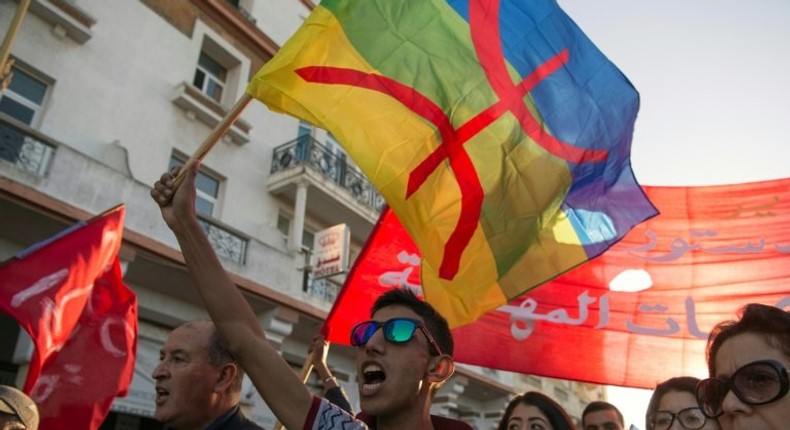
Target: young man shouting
(405, 350)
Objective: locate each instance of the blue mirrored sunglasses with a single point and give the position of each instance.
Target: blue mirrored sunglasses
(396, 330)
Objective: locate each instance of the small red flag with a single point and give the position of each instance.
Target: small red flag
(68, 294)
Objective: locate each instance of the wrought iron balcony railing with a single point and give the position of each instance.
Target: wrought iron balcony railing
(33, 152)
(323, 289)
(25, 147)
(226, 244)
(306, 151)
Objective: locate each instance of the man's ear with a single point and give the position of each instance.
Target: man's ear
(226, 376)
(441, 368)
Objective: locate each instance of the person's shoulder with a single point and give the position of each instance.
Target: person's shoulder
(324, 415)
(237, 421)
(250, 425)
(443, 423)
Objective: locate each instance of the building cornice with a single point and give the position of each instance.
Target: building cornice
(238, 26)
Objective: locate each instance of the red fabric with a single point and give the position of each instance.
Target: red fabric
(68, 294)
(712, 250)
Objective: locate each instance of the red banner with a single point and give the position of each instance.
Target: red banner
(68, 294)
(638, 314)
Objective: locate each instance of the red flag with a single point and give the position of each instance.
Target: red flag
(67, 293)
(638, 314)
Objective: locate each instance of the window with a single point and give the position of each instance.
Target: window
(210, 77)
(284, 226)
(22, 100)
(24, 96)
(331, 144)
(307, 239)
(215, 82)
(207, 188)
(304, 137)
(305, 131)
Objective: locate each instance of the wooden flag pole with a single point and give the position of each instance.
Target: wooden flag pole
(199, 154)
(8, 41)
(307, 367)
(214, 137)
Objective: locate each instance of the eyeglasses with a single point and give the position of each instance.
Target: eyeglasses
(689, 418)
(755, 384)
(396, 330)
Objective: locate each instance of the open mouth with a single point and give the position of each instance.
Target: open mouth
(372, 377)
(161, 395)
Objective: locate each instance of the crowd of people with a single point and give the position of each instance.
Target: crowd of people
(405, 354)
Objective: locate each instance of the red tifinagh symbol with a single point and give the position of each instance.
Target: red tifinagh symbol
(484, 27)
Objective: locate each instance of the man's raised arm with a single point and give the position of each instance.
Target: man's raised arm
(279, 386)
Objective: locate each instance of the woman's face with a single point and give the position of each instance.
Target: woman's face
(528, 417)
(736, 352)
(676, 401)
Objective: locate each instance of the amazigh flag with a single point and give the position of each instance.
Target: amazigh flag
(495, 130)
(67, 293)
(638, 314)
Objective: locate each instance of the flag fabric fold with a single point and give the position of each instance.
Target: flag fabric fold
(495, 130)
(636, 315)
(67, 293)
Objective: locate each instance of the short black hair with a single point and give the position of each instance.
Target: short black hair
(683, 384)
(602, 406)
(434, 321)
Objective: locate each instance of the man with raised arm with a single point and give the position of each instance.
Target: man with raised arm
(405, 351)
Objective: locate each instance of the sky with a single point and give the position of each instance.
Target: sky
(714, 82)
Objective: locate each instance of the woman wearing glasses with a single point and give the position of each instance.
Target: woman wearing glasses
(674, 406)
(748, 362)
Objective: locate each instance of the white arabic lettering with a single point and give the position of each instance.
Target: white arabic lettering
(401, 278)
(525, 314)
(678, 247)
(672, 328)
(523, 317)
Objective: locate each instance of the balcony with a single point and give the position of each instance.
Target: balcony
(338, 193)
(323, 289)
(226, 243)
(24, 147)
(32, 153)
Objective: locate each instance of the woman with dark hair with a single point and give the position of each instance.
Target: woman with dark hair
(674, 402)
(535, 411)
(748, 361)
